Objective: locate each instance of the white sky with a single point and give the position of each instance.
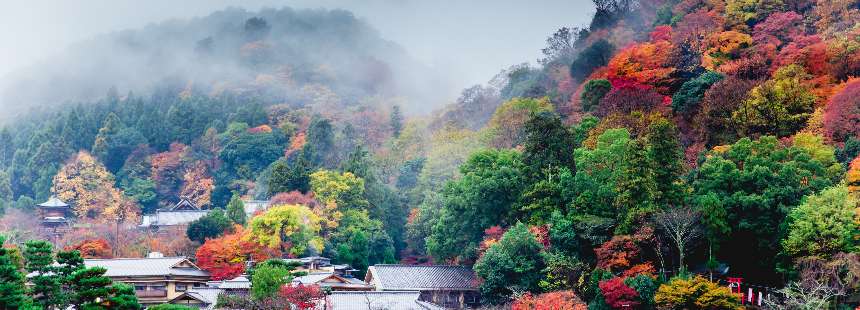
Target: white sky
(470, 39)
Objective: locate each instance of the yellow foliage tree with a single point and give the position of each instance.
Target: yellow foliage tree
(198, 185)
(695, 293)
(291, 229)
(89, 188)
(337, 192)
(724, 46)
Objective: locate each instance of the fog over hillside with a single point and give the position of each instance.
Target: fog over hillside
(71, 53)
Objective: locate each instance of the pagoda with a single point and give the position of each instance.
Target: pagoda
(54, 213)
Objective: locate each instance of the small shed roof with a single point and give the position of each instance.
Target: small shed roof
(410, 277)
(172, 218)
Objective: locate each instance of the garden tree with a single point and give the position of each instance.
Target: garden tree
(303, 297)
(823, 225)
(618, 295)
(781, 106)
(197, 185)
(224, 257)
(645, 286)
(92, 248)
(93, 290)
(46, 286)
(756, 182)
(484, 196)
(85, 184)
(246, 152)
(122, 297)
(236, 210)
(506, 127)
(562, 300)
(269, 277)
(687, 98)
(842, 113)
(596, 55)
(396, 121)
(628, 96)
(319, 148)
(681, 225)
(11, 280)
(210, 226)
(510, 266)
(290, 229)
(361, 241)
(695, 293)
(593, 92)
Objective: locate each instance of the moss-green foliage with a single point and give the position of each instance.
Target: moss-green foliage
(512, 265)
(687, 98)
(592, 92)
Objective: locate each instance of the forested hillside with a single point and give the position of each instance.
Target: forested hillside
(648, 157)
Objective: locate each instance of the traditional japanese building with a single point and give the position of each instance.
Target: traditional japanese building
(156, 279)
(180, 215)
(445, 285)
(54, 218)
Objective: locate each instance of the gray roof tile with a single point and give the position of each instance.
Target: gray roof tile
(126, 267)
(409, 277)
(378, 300)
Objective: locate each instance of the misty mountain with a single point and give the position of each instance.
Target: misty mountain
(276, 55)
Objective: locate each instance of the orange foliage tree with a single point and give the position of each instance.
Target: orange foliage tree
(558, 300)
(647, 63)
(724, 46)
(92, 248)
(198, 185)
(224, 257)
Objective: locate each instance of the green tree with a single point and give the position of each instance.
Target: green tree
(593, 92)
(11, 280)
(513, 265)
(687, 98)
(142, 191)
(824, 224)
(90, 287)
(484, 196)
(236, 210)
(756, 182)
(547, 145)
(781, 106)
(396, 121)
(361, 241)
(665, 156)
(637, 188)
(122, 297)
(594, 56)
(209, 226)
(292, 229)
(268, 280)
(170, 307)
(319, 146)
(46, 286)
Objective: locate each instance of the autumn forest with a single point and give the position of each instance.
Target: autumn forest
(646, 160)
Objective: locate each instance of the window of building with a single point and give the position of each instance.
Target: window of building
(140, 287)
(158, 288)
(181, 287)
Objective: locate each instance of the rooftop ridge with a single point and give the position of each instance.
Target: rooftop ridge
(131, 258)
(405, 265)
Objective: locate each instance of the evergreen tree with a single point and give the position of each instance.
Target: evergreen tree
(236, 210)
(89, 287)
(512, 265)
(209, 226)
(636, 188)
(46, 285)
(11, 280)
(319, 147)
(122, 297)
(666, 156)
(396, 121)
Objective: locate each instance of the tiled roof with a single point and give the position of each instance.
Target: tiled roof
(128, 267)
(318, 277)
(53, 202)
(171, 218)
(208, 295)
(409, 277)
(378, 300)
(240, 282)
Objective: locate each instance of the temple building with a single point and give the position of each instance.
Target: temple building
(55, 217)
(180, 215)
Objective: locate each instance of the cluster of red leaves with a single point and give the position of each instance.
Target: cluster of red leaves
(303, 297)
(541, 233)
(629, 95)
(492, 235)
(842, 114)
(558, 300)
(225, 257)
(92, 248)
(617, 254)
(618, 295)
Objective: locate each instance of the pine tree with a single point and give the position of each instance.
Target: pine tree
(396, 121)
(636, 188)
(666, 157)
(236, 210)
(89, 286)
(46, 285)
(11, 280)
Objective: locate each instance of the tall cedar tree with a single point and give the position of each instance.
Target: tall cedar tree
(396, 121)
